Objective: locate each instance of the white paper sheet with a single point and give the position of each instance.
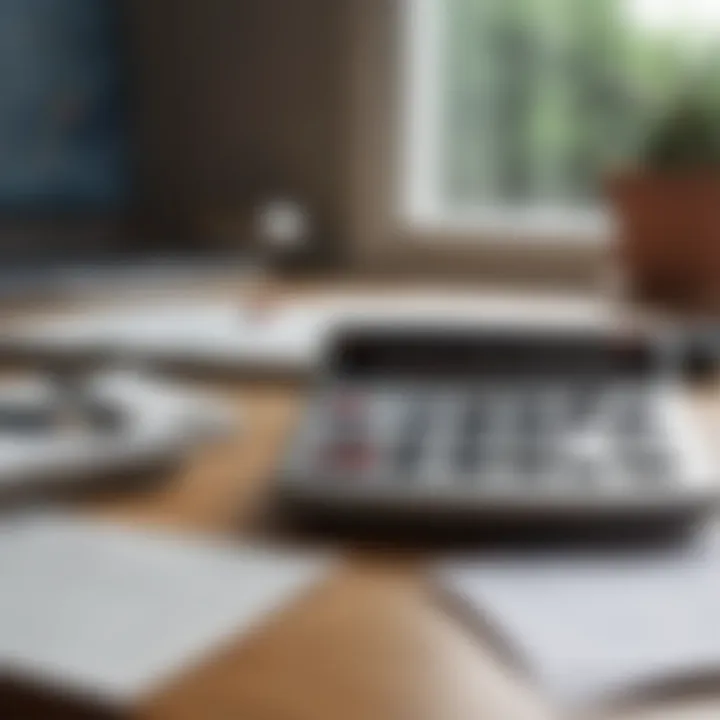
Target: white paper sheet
(289, 336)
(591, 628)
(114, 612)
(165, 421)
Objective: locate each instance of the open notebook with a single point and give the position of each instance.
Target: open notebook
(110, 613)
(595, 629)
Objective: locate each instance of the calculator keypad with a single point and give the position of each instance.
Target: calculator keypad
(516, 438)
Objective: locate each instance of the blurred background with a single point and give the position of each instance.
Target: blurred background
(138, 131)
(135, 130)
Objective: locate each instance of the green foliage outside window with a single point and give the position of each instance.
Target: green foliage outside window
(542, 97)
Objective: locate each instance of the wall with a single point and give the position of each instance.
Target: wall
(233, 94)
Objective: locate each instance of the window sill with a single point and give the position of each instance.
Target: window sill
(536, 228)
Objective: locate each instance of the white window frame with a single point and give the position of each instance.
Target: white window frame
(395, 222)
(420, 165)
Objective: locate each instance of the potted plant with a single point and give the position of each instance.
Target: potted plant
(667, 208)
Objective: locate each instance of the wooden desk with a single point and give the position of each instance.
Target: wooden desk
(370, 644)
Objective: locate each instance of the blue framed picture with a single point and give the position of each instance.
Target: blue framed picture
(63, 131)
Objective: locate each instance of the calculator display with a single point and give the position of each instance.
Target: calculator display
(492, 355)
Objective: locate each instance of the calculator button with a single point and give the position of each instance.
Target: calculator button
(532, 418)
(407, 458)
(582, 403)
(347, 457)
(646, 465)
(474, 420)
(467, 457)
(584, 475)
(418, 424)
(630, 415)
(528, 461)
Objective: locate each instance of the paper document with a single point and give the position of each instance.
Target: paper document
(114, 612)
(590, 628)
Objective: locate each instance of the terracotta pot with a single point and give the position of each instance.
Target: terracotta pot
(669, 236)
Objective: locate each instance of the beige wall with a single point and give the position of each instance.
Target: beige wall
(233, 93)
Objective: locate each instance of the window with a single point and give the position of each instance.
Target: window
(516, 109)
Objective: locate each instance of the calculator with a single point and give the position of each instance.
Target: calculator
(499, 429)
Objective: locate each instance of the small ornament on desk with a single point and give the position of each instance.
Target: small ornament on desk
(282, 228)
(283, 231)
